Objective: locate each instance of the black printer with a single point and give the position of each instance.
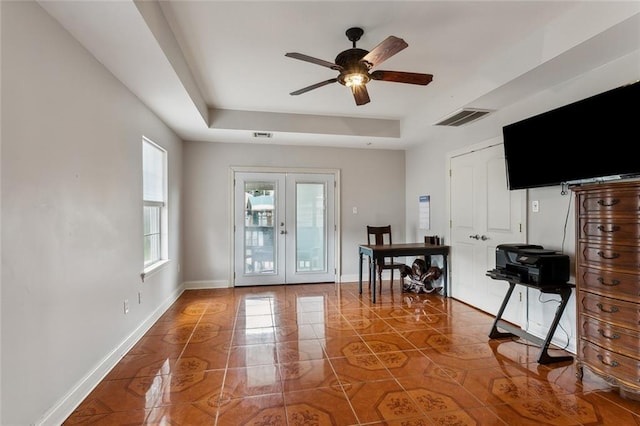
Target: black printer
(532, 264)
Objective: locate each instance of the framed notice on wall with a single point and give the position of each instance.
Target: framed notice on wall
(424, 205)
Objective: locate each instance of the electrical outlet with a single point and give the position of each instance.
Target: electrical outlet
(126, 306)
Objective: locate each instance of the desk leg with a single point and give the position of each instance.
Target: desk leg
(544, 357)
(445, 278)
(495, 334)
(360, 275)
(373, 275)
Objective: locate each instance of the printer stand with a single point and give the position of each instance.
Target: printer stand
(564, 290)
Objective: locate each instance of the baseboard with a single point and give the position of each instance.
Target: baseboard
(198, 285)
(352, 278)
(57, 414)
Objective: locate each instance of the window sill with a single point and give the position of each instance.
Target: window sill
(152, 269)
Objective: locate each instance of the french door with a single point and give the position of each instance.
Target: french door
(284, 225)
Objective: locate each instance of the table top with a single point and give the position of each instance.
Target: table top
(404, 248)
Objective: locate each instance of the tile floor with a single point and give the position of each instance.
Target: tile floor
(317, 354)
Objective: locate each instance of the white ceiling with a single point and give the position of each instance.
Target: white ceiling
(217, 71)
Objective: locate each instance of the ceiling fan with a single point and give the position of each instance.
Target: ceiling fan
(354, 66)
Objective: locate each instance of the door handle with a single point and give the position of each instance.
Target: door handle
(283, 232)
(484, 238)
(475, 237)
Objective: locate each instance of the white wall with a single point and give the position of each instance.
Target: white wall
(547, 226)
(71, 218)
(372, 180)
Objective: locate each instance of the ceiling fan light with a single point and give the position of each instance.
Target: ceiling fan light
(355, 79)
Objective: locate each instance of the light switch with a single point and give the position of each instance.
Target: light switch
(535, 206)
(355, 210)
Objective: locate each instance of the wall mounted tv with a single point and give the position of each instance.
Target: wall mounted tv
(595, 138)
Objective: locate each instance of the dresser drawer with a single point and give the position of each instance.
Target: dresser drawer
(609, 202)
(610, 283)
(616, 312)
(612, 257)
(610, 230)
(611, 337)
(622, 367)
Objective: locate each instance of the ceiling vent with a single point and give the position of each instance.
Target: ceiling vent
(262, 134)
(463, 116)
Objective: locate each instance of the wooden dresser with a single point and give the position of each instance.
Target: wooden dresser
(608, 283)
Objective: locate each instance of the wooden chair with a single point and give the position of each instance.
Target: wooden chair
(380, 235)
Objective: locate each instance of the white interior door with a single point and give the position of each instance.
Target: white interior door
(484, 214)
(284, 228)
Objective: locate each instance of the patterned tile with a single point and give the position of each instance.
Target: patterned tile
(309, 374)
(325, 406)
(322, 354)
(358, 369)
(382, 400)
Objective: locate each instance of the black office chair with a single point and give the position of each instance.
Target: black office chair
(380, 235)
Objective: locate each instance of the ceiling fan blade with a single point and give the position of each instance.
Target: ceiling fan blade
(402, 77)
(313, 60)
(314, 86)
(389, 47)
(360, 94)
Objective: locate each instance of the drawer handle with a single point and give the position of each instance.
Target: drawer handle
(612, 284)
(613, 256)
(613, 229)
(612, 364)
(612, 203)
(614, 336)
(613, 310)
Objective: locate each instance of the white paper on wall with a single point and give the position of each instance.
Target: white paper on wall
(424, 205)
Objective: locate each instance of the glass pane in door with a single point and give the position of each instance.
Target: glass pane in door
(310, 227)
(259, 232)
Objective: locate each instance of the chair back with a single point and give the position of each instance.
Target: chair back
(379, 235)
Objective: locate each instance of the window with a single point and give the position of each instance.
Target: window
(154, 182)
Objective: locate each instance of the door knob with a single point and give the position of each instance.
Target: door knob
(475, 237)
(283, 232)
(484, 238)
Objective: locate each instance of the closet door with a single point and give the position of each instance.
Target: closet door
(484, 214)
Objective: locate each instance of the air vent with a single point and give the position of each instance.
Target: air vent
(463, 116)
(262, 134)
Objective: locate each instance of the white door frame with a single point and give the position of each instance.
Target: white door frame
(336, 203)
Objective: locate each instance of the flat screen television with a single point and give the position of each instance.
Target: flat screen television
(591, 139)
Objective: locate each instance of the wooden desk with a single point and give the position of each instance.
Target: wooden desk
(563, 290)
(377, 252)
